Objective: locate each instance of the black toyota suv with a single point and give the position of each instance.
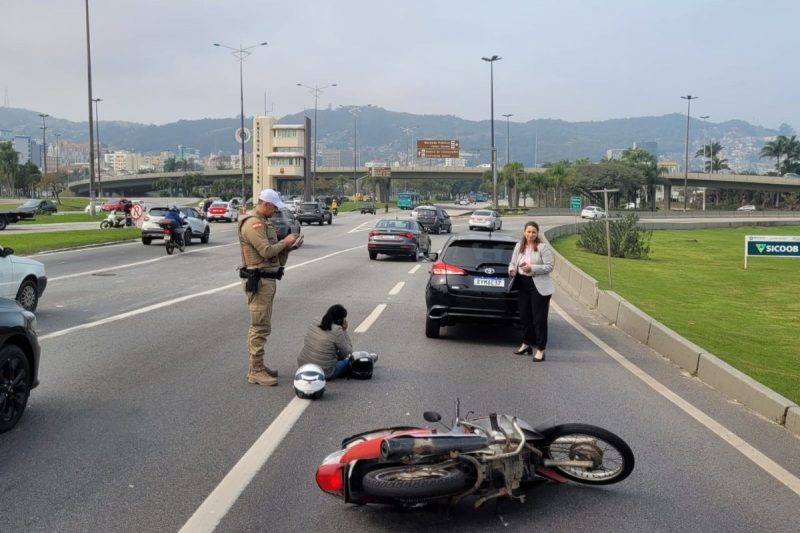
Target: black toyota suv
(468, 283)
(308, 212)
(434, 219)
(19, 361)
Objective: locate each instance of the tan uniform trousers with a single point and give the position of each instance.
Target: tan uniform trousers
(260, 305)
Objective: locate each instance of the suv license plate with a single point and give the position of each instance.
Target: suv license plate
(489, 282)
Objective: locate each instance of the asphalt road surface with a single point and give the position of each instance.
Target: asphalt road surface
(143, 408)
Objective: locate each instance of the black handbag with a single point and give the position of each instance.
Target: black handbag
(511, 282)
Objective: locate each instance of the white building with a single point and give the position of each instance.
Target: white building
(279, 152)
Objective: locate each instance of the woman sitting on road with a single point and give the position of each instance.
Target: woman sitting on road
(327, 343)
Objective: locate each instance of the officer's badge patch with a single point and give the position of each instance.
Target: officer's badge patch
(257, 225)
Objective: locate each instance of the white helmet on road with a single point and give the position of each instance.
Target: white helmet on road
(309, 382)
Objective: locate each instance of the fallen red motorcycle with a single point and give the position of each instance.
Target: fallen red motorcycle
(486, 457)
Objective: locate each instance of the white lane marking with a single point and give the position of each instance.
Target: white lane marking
(128, 265)
(115, 318)
(413, 270)
(373, 316)
(397, 288)
(218, 503)
(364, 226)
(761, 460)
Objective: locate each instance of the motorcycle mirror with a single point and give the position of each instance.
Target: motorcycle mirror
(431, 416)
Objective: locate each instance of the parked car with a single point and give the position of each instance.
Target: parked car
(434, 219)
(398, 237)
(21, 278)
(308, 212)
(19, 361)
(39, 207)
(222, 211)
(198, 227)
(485, 219)
(368, 208)
(285, 223)
(747, 208)
(468, 283)
(115, 205)
(592, 211)
(463, 202)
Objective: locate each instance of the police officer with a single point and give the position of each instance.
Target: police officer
(263, 257)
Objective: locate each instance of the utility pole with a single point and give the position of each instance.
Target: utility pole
(44, 142)
(608, 231)
(688, 99)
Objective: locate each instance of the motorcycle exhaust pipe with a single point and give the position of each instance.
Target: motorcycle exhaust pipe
(397, 448)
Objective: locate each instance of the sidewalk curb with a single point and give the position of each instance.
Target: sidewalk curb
(694, 359)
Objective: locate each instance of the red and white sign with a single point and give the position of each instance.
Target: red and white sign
(137, 211)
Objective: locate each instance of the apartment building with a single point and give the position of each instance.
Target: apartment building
(280, 152)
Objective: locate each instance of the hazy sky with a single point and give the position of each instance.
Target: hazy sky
(153, 61)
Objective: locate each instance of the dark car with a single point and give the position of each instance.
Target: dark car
(39, 207)
(468, 283)
(308, 212)
(285, 223)
(435, 219)
(19, 361)
(368, 208)
(398, 237)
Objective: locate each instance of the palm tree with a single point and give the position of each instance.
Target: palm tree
(711, 153)
(9, 163)
(776, 148)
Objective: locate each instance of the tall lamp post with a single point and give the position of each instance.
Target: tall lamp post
(710, 153)
(688, 99)
(408, 131)
(91, 129)
(491, 61)
(355, 110)
(508, 138)
(44, 142)
(97, 130)
(241, 54)
(315, 92)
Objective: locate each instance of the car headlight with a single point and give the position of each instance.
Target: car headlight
(30, 319)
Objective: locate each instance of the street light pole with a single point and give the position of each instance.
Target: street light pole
(241, 54)
(491, 61)
(97, 129)
(44, 142)
(508, 138)
(91, 129)
(688, 99)
(315, 91)
(408, 131)
(354, 110)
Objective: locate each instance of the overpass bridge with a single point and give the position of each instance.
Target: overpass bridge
(139, 184)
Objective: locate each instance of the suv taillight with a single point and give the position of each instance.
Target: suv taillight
(440, 268)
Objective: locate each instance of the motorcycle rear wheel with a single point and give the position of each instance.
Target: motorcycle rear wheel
(413, 482)
(170, 247)
(612, 457)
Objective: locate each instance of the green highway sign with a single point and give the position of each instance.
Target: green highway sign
(575, 202)
(771, 246)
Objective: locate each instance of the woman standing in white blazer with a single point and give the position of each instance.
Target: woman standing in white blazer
(531, 264)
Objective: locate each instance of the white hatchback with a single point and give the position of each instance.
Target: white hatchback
(21, 279)
(592, 211)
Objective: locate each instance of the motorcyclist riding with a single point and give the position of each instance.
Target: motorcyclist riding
(177, 221)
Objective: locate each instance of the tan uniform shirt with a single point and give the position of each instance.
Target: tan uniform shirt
(260, 246)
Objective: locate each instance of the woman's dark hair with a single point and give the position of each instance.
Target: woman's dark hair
(523, 242)
(335, 315)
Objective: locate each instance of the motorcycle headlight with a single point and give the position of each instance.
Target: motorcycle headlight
(30, 319)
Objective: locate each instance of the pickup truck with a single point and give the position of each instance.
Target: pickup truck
(12, 216)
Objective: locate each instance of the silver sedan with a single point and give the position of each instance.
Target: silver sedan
(485, 219)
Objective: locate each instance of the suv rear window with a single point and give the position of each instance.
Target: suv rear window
(309, 205)
(158, 211)
(469, 254)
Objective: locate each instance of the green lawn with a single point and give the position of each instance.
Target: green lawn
(58, 218)
(695, 283)
(31, 243)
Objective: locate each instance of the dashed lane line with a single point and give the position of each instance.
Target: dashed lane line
(397, 288)
(414, 270)
(373, 316)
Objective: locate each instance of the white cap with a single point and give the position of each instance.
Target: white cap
(271, 196)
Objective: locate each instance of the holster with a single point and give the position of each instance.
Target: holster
(252, 277)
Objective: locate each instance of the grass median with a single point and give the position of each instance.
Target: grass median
(31, 243)
(695, 283)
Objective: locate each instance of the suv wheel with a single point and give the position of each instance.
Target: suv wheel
(147, 240)
(431, 328)
(373, 255)
(204, 238)
(14, 386)
(187, 237)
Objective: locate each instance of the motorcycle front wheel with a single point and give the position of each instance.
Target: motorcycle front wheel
(612, 459)
(105, 225)
(413, 482)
